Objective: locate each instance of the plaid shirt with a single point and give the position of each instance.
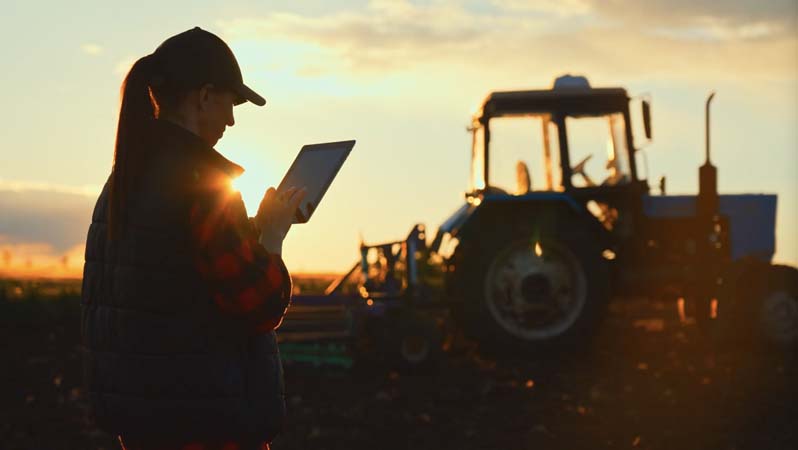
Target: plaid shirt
(248, 284)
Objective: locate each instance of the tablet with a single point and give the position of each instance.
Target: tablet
(315, 168)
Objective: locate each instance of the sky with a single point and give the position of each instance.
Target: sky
(401, 77)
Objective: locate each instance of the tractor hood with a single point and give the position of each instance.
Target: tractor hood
(452, 224)
(450, 229)
(752, 219)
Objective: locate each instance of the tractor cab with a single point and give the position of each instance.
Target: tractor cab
(566, 138)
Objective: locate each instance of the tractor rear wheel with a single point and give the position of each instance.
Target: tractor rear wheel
(535, 291)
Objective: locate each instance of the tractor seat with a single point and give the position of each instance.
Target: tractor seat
(523, 182)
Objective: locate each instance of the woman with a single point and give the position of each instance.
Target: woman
(181, 290)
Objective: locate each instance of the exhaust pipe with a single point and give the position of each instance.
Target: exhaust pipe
(707, 176)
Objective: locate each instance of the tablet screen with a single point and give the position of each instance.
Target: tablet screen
(314, 168)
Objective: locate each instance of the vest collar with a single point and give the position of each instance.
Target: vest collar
(179, 137)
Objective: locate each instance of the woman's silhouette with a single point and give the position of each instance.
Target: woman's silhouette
(181, 290)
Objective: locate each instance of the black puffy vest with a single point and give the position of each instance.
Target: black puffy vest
(158, 359)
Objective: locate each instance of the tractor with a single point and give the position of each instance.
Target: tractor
(557, 220)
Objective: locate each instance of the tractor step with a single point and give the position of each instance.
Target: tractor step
(317, 353)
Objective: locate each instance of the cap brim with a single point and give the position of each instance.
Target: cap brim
(248, 95)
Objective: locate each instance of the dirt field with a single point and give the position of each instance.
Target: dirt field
(647, 382)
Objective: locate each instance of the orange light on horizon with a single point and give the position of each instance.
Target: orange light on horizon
(40, 260)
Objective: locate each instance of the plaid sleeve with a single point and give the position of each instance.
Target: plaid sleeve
(247, 283)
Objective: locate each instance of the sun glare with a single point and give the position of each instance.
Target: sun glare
(235, 185)
(253, 183)
(249, 193)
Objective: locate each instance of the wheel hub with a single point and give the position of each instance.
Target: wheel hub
(535, 291)
(414, 349)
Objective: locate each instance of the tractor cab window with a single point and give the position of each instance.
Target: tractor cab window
(598, 150)
(524, 155)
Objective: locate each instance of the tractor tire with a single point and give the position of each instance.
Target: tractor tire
(403, 340)
(759, 305)
(528, 290)
(415, 343)
(778, 312)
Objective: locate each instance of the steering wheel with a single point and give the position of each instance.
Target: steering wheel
(580, 169)
(580, 166)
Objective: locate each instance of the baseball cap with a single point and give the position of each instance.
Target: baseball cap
(195, 57)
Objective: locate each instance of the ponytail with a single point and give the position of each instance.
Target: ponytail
(135, 113)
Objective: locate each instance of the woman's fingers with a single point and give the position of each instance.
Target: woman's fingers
(296, 198)
(268, 199)
(265, 203)
(270, 194)
(292, 197)
(279, 207)
(286, 194)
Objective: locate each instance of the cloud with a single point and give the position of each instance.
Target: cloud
(650, 38)
(43, 228)
(91, 49)
(59, 218)
(562, 8)
(694, 19)
(778, 16)
(21, 186)
(387, 34)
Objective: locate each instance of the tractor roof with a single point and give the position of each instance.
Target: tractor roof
(567, 100)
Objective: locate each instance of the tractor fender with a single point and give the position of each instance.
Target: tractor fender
(546, 210)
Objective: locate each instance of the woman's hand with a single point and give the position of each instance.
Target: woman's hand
(275, 215)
